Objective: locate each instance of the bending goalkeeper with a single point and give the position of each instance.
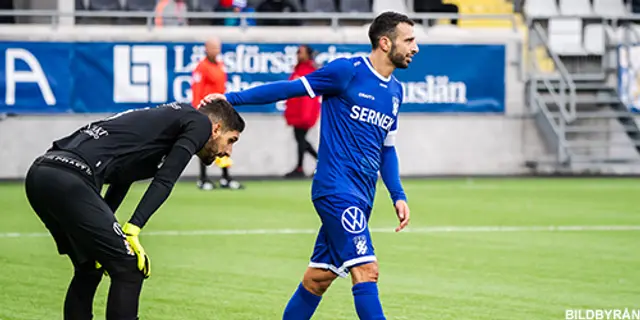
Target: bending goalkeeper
(63, 187)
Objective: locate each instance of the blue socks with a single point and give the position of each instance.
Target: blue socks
(365, 296)
(302, 305)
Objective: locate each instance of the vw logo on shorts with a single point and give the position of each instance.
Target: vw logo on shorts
(353, 220)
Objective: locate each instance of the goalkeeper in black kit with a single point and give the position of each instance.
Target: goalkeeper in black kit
(64, 189)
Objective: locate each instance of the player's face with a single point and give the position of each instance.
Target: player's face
(213, 49)
(224, 143)
(220, 144)
(302, 54)
(404, 47)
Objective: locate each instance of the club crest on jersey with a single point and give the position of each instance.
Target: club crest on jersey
(396, 105)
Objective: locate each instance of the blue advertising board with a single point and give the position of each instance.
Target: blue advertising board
(106, 77)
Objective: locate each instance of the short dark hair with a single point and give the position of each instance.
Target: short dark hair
(221, 110)
(385, 25)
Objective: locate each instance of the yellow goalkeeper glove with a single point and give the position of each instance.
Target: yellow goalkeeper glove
(224, 162)
(144, 263)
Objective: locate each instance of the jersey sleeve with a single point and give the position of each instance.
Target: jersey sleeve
(330, 79)
(390, 172)
(390, 169)
(195, 133)
(390, 140)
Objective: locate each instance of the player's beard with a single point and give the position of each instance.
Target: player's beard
(210, 152)
(217, 150)
(398, 59)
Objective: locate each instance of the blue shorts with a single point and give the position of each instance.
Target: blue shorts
(344, 240)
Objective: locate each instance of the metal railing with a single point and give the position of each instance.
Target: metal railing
(335, 18)
(563, 94)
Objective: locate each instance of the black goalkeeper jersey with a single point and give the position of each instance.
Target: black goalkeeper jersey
(139, 144)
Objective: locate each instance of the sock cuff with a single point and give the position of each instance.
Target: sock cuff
(307, 296)
(365, 288)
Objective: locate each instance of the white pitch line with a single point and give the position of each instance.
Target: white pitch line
(441, 229)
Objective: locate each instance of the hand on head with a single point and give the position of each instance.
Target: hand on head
(212, 97)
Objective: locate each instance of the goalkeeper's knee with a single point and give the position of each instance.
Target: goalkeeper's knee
(124, 269)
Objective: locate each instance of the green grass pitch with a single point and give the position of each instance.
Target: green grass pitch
(427, 273)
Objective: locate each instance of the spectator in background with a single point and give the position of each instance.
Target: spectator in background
(235, 6)
(277, 6)
(302, 113)
(435, 6)
(171, 13)
(209, 76)
(7, 5)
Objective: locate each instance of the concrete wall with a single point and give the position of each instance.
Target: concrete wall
(427, 144)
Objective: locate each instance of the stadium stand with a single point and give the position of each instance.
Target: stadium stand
(486, 7)
(569, 58)
(575, 81)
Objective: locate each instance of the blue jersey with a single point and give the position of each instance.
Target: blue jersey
(359, 117)
(358, 125)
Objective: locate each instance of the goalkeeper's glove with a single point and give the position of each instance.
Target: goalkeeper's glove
(144, 263)
(224, 162)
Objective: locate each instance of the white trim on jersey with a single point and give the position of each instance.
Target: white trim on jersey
(366, 61)
(390, 140)
(307, 86)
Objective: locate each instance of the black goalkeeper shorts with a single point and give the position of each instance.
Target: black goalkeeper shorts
(60, 190)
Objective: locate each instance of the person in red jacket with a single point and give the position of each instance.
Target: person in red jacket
(302, 113)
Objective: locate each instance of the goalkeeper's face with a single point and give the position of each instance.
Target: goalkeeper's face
(220, 144)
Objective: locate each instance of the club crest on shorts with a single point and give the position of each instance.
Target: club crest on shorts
(361, 244)
(353, 220)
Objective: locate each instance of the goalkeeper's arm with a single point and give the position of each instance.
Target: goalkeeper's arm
(115, 195)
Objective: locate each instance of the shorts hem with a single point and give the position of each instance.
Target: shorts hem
(343, 270)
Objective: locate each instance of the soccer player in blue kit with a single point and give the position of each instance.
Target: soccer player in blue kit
(361, 99)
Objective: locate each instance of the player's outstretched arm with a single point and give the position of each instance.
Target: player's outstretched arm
(329, 79)
(267, 93)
